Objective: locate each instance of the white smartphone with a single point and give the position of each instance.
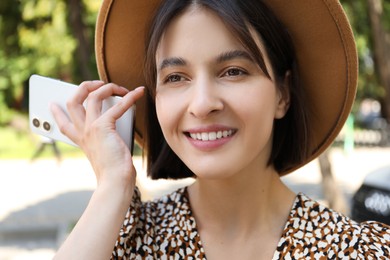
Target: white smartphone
(43, 91)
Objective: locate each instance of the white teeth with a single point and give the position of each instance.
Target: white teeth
(211, 136)
(225, 133)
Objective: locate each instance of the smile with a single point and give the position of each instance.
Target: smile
(211, 136)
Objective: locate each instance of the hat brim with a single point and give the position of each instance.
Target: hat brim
(322, 37)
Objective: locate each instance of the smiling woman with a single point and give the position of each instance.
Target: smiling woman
(238, 94)
(217, 87)
(291, 132)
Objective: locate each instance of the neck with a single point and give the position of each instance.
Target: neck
(239, 204)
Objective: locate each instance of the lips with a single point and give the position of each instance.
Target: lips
(211, 136)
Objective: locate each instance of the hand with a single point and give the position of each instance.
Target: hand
(95, 131)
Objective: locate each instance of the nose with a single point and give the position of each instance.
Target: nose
(206, 99)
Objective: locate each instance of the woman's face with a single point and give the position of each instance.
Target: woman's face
(215, 105)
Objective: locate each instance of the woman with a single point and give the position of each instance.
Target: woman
(239, 94)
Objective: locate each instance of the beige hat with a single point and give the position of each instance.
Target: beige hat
(321, 34)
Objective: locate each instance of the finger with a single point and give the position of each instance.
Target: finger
(115, 112)
(75, 105)
(64, 124)
(95, 99)
(85, 89)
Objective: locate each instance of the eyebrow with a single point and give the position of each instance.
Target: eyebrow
(223, 57)
(171, 62)
(231, 55)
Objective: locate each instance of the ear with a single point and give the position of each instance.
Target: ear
(283, 99)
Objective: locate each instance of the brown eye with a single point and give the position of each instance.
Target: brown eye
(174, 78)
(234, 72)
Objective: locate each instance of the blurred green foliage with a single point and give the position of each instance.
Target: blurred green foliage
(38, 36)
(369, 85)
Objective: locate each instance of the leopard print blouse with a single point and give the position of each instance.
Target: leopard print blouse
(166, 229)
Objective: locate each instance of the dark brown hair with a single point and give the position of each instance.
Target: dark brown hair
(290, 138)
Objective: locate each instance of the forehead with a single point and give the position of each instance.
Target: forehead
(197, 29)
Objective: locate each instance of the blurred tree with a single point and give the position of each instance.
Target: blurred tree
(370, 84)
(332, 192)
(10, 18)
(381, 43)
(84, 66)
(52, 38)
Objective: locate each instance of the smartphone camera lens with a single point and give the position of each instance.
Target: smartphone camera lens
(36, 122)
(46, 126)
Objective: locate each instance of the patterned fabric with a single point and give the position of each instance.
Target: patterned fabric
(166, 229)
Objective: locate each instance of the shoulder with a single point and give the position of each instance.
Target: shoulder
(320, 231)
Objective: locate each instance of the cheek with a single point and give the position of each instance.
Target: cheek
(166, 110)
(257, 111)
(161, 109)
(258, 104)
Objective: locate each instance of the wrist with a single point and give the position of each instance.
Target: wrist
(118, 195)
(117, 180)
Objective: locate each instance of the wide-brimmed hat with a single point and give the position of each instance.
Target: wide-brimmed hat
(321, 34)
